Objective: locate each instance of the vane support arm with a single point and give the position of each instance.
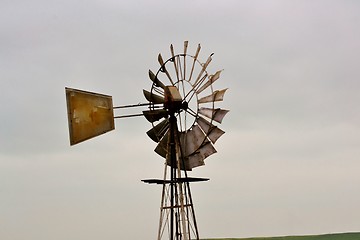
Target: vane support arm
(130, 115)
(134, 106)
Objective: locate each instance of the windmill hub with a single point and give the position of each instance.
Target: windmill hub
(185, 105)
(173, 99)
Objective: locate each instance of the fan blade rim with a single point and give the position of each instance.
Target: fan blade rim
(211, 80)
(192, 140)
(212, 132)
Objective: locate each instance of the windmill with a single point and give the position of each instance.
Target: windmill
(181, 110)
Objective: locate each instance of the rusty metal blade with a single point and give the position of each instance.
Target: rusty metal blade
(158, 132)
(193, 161)
(216, 96)
(205, 125)
(153, 97)
(211, 80)
(195, 58)
(215, 134)
(163, 69)
(155, 115)
(157, 82)
(214, 114)
(89, 114)
(160, 60)
(207, 149)
(161, 148)
(212, 131)
(174, 61)
(185, 46)
(204, 66)
(192, 140)
(185, 50)
(197, 159)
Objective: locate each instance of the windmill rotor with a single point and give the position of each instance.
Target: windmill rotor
(184, 77)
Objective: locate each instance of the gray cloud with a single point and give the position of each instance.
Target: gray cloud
(286, 165)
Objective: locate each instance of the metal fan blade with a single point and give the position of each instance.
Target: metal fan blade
(197, 51)
(160, 60)
(211, 80)
(161, 148)
(155, 115)
(157, 132)
(215, 114)
(185, 46)
(216, 96)
(184, 62)
(195, 58)
(204, 66)
(153, 97)
(207, 149)
(192, 140)
(174, 61)
(156, 80)
(197, 159)
(163, 69)
(213, 132)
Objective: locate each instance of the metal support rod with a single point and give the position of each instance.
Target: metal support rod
(133, 105)
(131, 115)
(172, 172)
(188, 196)
(136, 105)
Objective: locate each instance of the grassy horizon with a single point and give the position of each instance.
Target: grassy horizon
(334, 236)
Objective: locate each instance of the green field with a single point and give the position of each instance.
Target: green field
(337, 236)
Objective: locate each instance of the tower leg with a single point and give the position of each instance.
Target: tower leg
(177, 214)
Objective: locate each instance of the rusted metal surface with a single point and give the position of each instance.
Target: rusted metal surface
(89, 114)
(161, 148)
(214, 114)
(212, 131)
(192, 140)
(195, 146)
(193, 161)
(216, 96)
(158, 131)
(197, 159)
(206, 149)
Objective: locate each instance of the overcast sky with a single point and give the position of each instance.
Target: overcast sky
(287, 165)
